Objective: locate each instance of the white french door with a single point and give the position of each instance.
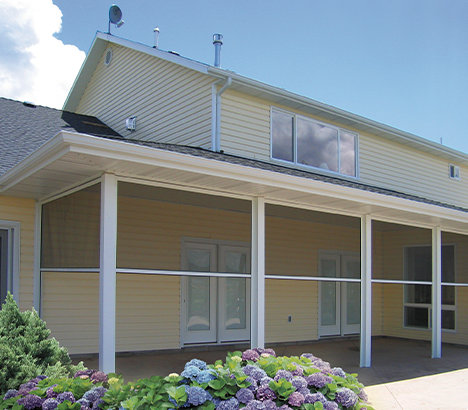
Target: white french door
(340, 302)
(4, 276)
(215, 309)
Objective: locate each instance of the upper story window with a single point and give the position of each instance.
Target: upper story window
(304, 141)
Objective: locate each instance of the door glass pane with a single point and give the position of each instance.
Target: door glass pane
(317, 145)
(353, 305)
(198, 303)
(418, 294)
(282, 136)
(198, 260)
(347, 153)
(235, 262)
(328, 302)
(235, 305)
(448, 295)
(353, 268)
(328, 268)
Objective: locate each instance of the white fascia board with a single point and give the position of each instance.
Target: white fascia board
(402, 136)
(100, 43)
(174, 160)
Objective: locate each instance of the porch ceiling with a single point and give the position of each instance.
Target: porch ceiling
(70, 159)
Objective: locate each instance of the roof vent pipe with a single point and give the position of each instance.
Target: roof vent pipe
(156, 37)
(217, 42)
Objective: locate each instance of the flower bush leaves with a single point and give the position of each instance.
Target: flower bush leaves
(251, 380)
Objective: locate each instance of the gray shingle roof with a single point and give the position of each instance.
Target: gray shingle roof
(25, 127)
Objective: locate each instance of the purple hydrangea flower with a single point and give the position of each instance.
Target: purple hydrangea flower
(299, 382)
(244, 395)
(25, 388)
(39, 378)
(270, 352)
(363, 395)
(257, 373)
(346, 397)
(249, 369)
(284, 407)
(87, 372)
(85, 404)
(30, 402)
(265, 381)
(253, 383)
(67, 395)
(98, 377)
(197, 363)
(51, 394)
(196, 395)
(338, 371)
(313, 397)
(205, 376)
(265, 393)
(190, 372)
(95, 394)
(283, 374)
(296, 399)
(250, 354)
(330, 405)
(10, 393)
(304, 391)
(318, 380)
(299, 371)
(231, 404)
(256, 405)
(50, 404)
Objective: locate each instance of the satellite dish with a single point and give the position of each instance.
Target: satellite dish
(115, 16)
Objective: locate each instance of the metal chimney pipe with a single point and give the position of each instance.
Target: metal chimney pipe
(217, 42)
(156, 37)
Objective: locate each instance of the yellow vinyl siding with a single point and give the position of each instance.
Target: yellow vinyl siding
(22, 210)
(245, 126)
(245, 131)
(147, 311)
(172, 103)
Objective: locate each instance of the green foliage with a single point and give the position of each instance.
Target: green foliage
(25, 347)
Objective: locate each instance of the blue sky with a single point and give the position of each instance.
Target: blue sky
(403, 63)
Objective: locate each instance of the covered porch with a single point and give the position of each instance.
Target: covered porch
(308, 253)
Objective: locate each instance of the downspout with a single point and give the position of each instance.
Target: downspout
(216, 109)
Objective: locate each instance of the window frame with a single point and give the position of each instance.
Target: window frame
(428, 306)
(294, 143)
(13, 259)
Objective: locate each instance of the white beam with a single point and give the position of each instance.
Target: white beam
(257, 304)
(366, 291)
(37, 258)
(436, 293)
(107, 276)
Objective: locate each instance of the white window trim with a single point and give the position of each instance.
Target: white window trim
(13, 267)
(309, 167)
(428, 305)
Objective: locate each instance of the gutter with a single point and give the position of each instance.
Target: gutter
(216, 113)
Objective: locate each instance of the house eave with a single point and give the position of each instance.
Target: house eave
(98, 155)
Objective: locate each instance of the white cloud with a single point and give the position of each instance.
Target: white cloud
(34, 65)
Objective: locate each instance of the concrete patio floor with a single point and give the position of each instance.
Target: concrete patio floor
(402, 376)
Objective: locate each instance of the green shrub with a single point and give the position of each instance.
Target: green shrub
(25, 347)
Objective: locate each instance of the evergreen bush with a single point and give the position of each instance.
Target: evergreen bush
(26, 349)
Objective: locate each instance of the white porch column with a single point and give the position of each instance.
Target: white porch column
(107, 275)
(37, 258)
(366, 291)
(436, 293)
(257, 288)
